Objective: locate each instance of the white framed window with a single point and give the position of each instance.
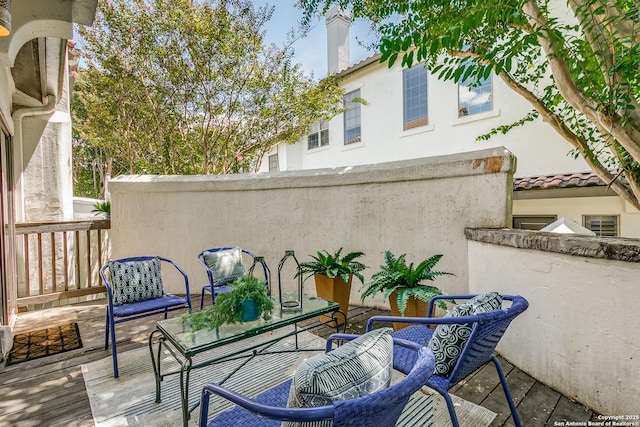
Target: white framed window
(352, 118)
(532, 222)
(274, 164)
(474, 98)
(319, 135)
(414, 89)
(602, 225)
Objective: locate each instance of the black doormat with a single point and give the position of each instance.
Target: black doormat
(44, 342)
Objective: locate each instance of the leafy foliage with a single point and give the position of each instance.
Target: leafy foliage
(228, 306)
(189, 87)
(333, 265)
(396, 275)
(102, 206)
(576, 62)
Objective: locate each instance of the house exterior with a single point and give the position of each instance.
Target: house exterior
(35, 124)
(408, 113)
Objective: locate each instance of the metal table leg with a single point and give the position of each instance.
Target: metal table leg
(185, 371)
(156, 363)
(335, 319)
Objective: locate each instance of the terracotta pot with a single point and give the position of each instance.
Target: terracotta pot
(336, 290)
(415, 308)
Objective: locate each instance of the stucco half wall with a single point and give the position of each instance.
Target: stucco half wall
(580, 332)
(419, 207)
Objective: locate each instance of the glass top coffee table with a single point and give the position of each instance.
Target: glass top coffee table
(183, 343)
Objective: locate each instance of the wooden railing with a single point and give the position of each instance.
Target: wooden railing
(60, 260)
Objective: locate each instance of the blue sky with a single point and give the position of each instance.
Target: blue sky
(311, 51)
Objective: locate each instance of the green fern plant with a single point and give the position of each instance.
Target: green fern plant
(396, 275)
(333, 265)
(102, 207)
(228, 305)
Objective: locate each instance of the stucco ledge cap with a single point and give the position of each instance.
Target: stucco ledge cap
(607, 248)
(482, 162)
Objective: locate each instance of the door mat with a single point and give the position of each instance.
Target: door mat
(44, 342)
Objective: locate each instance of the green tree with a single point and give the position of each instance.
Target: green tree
(576, 61)
(189, 87)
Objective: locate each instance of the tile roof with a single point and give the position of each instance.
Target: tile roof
(568, 180)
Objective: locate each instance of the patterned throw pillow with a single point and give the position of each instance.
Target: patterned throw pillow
(135, 281)
(355, 369)
(225, 264)
(447, 341)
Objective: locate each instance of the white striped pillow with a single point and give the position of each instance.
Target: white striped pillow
(355, 369)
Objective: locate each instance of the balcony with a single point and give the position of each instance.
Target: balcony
(581, 289)
(51, 391)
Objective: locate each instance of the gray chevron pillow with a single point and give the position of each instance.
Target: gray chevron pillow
(355, 369)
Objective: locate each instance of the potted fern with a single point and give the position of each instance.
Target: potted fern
(103, 206)
(246, 301)
(333, 274)
(404, 285)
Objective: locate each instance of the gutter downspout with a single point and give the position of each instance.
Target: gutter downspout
(18, 152)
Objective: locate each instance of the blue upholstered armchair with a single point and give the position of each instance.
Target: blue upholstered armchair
(462, 341)
(359, 406)
(224, 265)
(135, 290)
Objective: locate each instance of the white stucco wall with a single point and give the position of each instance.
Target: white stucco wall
(419, 207)
(536, 145)
(580, 334)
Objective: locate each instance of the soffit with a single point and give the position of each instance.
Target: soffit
(35, 51)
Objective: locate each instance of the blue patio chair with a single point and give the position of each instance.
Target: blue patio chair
(225, 265)
(381, 408)
(483, 330)
(135, 290)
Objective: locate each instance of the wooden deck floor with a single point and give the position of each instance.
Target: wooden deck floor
(51, 392)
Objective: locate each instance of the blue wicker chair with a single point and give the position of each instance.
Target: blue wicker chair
(382, 408)
(219, 284)
(486, 331)
(132, 303)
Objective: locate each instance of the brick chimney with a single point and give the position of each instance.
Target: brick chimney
(338, 22)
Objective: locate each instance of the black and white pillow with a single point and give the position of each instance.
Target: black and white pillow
(353, 370)
(225, 265)
(134, 281)
(447, 341)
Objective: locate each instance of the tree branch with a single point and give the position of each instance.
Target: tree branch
(602, 37)
(556, 123)
(623, 131)
(624, 30)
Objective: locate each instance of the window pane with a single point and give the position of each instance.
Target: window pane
(603, 226)
(472, 98)
(318, 136)
(415, 97)
(532, 222)
(324, 137)
(273, 163)
(312, 141)
(351, 118)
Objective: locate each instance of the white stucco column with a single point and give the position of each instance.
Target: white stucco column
(43, 166)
